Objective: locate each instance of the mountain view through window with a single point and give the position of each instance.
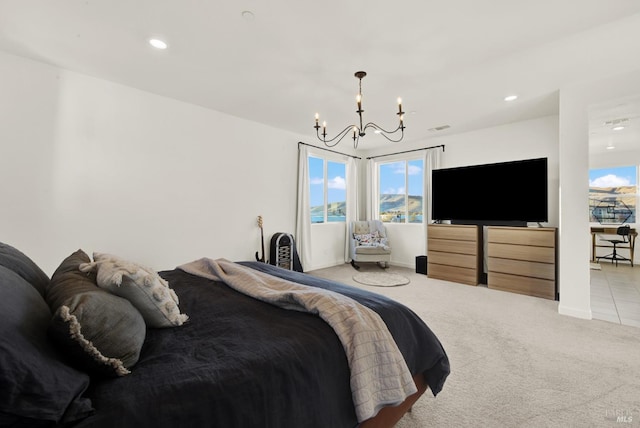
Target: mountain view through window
(613, 195)
(327, 197)
(400, 199)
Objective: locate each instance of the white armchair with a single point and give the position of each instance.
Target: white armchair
(369, 243)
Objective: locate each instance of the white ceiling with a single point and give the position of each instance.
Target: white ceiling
(452, 62)
(604, 117)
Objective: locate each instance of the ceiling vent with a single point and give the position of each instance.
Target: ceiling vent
(615, 122)
(439, 128)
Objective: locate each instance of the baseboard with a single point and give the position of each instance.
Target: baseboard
(340, 262)
(404, 265)
(324, 266)
(573, 312)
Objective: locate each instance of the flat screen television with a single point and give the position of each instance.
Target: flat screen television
(506, 193)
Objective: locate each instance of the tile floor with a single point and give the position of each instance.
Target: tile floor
(615, 293)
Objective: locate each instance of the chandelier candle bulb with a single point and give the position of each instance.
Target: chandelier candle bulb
(399, 105)
(359, 101)
(317, 117)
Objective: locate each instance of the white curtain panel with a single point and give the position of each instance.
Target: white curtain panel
(372, 180)
(352, 202)
(431, 159)
(303, 211)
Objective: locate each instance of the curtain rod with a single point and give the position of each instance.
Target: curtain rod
(408, 151)
(332, 151)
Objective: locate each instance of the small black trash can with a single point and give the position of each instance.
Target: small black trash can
(421, 264)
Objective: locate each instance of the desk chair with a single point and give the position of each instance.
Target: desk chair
(622, 239)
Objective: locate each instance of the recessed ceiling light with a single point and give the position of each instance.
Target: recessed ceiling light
(618, 128)
(511, 97)
(157, 43)
(247, 15)
(610, 147)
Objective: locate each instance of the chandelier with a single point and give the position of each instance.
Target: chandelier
(360, 131)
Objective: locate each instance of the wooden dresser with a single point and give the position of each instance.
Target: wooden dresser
(522, 260)
(454, 253)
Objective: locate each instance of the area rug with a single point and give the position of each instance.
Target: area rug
(380, 279)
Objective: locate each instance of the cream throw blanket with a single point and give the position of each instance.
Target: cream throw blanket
(379, 374)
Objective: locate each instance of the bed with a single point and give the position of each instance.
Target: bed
(222, 359)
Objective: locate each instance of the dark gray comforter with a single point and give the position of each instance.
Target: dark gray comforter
(240, 362)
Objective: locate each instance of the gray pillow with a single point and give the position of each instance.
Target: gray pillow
(36, 386)
(15, 260)
(100, 333)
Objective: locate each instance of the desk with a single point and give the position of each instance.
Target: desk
(601, 230)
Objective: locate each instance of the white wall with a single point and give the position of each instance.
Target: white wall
(328, 246)
(522, 140)
(615, 158)
(86, 163)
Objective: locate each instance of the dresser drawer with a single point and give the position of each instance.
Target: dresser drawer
(453, 232)
(449, 246)
(452, 273)
(521, 268)
(521, 252)
(523, 285)
(538, 237)
(453, 259)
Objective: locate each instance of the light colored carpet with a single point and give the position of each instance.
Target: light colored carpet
(381, 279)
(515, 362)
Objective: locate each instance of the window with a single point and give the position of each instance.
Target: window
(327, 197)
(613, 194)
(400, 197)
